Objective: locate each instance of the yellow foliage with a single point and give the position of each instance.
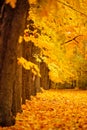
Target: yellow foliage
(26, 35)
(20, 39)
(38, 59)
(11, 2)
(32, 1)
(62, 24)
(29, 66)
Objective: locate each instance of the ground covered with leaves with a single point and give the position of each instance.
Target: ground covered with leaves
(53, 110)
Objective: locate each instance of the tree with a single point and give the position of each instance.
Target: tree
(61, 32)
(13, 24)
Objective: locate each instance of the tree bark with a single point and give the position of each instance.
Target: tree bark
(31, 83)
(12, 26)
(45, 82)
(36, 80)
(26, 74)
(17, 88)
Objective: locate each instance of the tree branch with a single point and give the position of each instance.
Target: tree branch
(73, 39)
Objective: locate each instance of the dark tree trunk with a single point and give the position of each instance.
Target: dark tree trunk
(7, 69)
(23, 85)
(12, 26)
(45, 82)
(26, 74)
(36, 80)
(17, 88)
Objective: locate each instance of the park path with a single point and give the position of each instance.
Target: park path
(53, 110)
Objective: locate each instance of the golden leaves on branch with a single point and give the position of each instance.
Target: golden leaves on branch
(29, 66)
(62, 28)
(20, 40)
(11, 2)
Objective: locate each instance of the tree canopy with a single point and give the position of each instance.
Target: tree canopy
(59, 30)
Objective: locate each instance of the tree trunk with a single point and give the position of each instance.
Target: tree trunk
(26, 74)
(31, 83)
(17, 88)
(45, 82)
(36, 80)
(13, 25)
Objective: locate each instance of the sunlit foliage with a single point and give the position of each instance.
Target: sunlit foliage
(29, 66)
(11, 2)
(62, 36)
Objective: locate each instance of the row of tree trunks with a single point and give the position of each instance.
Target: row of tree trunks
(16, 83)
(32, 84)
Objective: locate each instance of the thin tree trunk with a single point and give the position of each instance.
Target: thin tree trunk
(26, 74)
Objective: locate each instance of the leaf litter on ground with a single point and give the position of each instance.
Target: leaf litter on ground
(53, 110)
